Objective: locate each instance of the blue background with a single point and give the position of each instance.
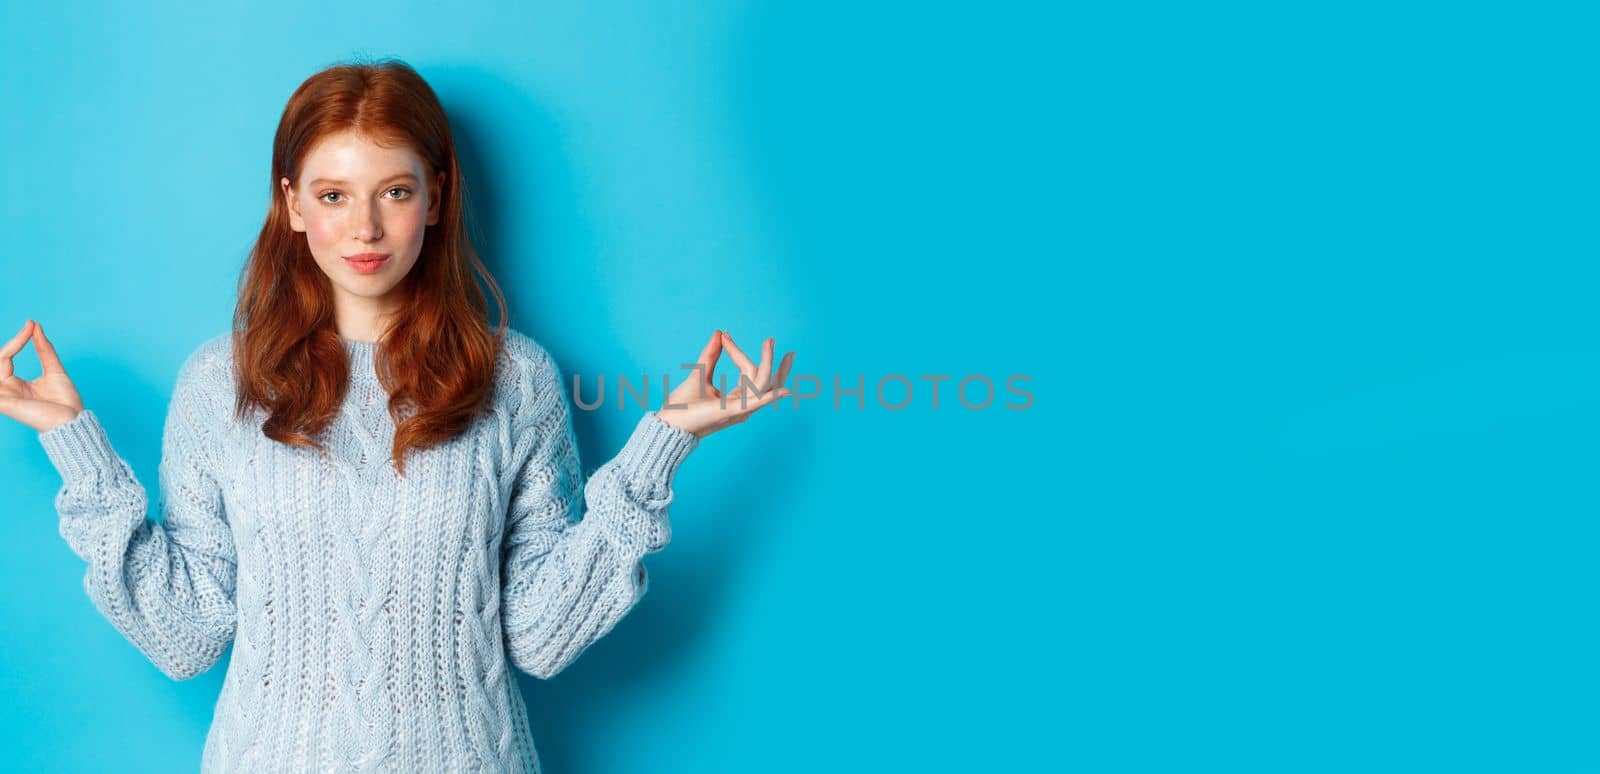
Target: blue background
(1306, 297)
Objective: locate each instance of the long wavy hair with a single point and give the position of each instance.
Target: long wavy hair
(437, 357)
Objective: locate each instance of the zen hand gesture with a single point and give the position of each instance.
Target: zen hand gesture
(45, 402)
(700, 409)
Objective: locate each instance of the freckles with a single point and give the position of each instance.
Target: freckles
(323, 230)
(411, 222)
(409, 216)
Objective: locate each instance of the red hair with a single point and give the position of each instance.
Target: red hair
(437, 358)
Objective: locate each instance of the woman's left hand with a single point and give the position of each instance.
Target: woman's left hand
(695, 406)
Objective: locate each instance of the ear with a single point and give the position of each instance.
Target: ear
(433, 199)
(292, 201)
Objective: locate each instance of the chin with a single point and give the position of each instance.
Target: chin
(372, 289)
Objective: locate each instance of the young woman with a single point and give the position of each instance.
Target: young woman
(364, 488)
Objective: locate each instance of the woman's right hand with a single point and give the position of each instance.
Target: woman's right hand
(45, 402)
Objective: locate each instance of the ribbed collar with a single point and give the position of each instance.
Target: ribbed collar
(362, 355)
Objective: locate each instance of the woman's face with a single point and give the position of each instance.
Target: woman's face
(357, 199)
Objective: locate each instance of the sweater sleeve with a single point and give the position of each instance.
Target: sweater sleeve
(168, 586)
(568, 584)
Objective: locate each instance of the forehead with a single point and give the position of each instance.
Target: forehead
(355, 157)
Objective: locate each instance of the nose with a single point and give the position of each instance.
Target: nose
(369, 221)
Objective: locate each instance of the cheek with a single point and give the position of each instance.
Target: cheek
(412, 221)
(322, 230)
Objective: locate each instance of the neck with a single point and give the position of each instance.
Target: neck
(362, 319)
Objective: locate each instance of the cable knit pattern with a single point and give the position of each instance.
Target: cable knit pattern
(372, 616)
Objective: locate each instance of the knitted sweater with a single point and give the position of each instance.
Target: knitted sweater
(371, 615)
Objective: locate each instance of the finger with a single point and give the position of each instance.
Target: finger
(783, 370)
(768, 399)
(738, 356)
(12, 347)
(47, 352)
(746, 382)
(765, 370)
(710, 355)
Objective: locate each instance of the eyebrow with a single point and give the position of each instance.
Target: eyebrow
(326, 181)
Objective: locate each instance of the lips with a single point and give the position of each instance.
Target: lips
(367, 263)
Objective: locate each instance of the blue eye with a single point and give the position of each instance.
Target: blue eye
(406, 194)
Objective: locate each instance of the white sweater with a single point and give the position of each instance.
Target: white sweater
(371, 616)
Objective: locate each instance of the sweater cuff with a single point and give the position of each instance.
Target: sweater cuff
(79, 447)
(655, 450)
